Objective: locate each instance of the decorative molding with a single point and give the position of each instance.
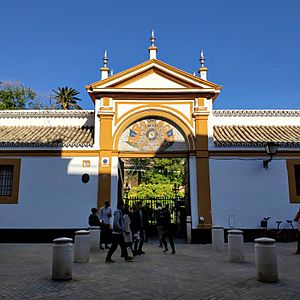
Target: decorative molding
(44, 145)
(255, 144)
(46, 113)
(256, 113)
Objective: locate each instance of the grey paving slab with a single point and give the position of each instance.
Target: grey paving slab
(194, 272)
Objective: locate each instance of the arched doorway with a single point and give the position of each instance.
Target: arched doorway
(164, 145)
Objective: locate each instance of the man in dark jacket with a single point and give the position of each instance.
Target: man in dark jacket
(93, 218)
(138, 225)
(167, 230)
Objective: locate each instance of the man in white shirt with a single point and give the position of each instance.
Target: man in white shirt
(104, 217)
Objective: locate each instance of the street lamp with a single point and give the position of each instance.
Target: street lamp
(271, 149)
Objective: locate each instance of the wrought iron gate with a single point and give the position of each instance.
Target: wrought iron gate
(178, 207)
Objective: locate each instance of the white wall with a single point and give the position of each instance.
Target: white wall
(243, 188)
(52, 195)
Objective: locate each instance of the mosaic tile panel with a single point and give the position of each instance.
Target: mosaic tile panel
(152, 135)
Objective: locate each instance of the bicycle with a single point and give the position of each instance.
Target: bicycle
(279, 234)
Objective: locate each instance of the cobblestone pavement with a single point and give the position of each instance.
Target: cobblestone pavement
(194, 272)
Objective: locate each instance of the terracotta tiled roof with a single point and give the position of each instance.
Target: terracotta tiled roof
(288, 136)
(46, 136)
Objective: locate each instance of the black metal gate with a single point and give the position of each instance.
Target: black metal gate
(178, 207)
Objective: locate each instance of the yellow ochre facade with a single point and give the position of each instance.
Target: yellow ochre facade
(157, 91)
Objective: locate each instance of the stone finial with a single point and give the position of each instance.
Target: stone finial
(104, 70)
(152, 38)
(202, 59)
(152, 49)
(105, 59)
(203, 70)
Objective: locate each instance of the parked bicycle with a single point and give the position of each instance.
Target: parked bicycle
(279, 234)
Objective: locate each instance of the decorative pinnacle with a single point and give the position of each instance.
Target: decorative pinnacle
(105, 59)
(202, 59)
(152, 38)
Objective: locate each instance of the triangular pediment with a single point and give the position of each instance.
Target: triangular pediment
(153, 74)
(153, 79)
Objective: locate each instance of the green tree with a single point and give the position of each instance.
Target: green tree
(137, 167)
(157, 176)
(15, 96)
(66, 98)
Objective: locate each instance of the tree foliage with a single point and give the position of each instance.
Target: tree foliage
(16, 96)
(155, 177)
(66, 98)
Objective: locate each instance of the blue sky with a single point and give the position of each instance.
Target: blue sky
(252, 48)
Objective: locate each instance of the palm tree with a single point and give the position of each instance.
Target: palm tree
(66, 98)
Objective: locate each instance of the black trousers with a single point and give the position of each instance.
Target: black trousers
(117, 240)
(105, 234)
(167, 234)
(298, 246)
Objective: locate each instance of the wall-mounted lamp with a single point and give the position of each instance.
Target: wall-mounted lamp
(271, 149)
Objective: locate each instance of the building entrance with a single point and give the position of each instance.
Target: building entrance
(159, 183)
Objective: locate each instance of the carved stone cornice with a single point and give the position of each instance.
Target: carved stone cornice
(256, 113)
(46, 113)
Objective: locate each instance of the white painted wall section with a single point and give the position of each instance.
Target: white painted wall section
(193, 191)
(243, 188)
(52, 195)
(114, 183)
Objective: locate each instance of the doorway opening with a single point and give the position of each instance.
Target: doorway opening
(157, 183)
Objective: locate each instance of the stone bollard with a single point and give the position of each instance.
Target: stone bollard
(62, 259)
(235, 245)
(266, 260)
(82, 246)
(217, 236)
(94, 238)
(189, 229)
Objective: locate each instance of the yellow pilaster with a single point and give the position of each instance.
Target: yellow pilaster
(202, 164)
(105, 155)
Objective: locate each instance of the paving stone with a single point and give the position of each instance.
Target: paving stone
(194, 272)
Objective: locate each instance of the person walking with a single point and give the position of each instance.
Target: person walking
(147, 218)
(104, 217)
(127, 233)
(167, 230)
(297, 219)
(118, 237)
(138, 229)
(159, 224)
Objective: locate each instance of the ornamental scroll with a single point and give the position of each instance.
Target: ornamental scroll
(152, 135)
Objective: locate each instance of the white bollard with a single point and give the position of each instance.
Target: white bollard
(62, 259)
(266, 260)
(94, 238)
(235, 245)
(82, 246)
(217, 236)
(189, 229)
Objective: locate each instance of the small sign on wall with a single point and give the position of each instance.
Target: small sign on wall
(86, 163)
(105, 162)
